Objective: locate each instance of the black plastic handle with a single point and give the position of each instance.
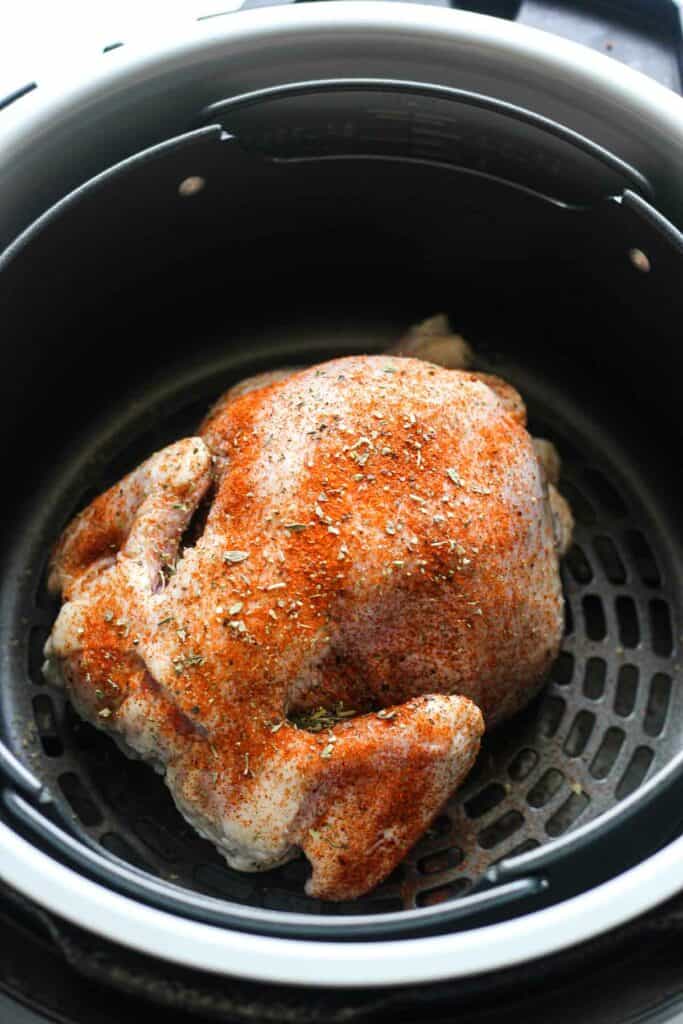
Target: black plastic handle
(632, 177)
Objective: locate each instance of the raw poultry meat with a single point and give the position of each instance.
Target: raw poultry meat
(374, 576)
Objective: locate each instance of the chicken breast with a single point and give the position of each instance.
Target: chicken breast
(380, 540)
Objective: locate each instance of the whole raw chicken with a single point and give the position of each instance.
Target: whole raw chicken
(380, 540)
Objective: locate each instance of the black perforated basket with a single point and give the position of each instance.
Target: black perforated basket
(295, 224)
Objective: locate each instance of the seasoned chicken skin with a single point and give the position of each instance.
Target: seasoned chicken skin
(380, 541)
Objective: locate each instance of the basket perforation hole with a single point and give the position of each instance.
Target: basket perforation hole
(627, 619)
(579, 734)
(442, 861)
(607, 753)
(223, 882)
(80, 801)
(581, 507)
(46, 724)
(578, 564)
(594, 678)
(626, 691)
(296, 902)
(397, 876)
(545, 789)
(441, 826)
(565, 816)
(431, 897)
(658, 702)
(594, 617)
(121, 848)
(568, 618)
(297, 871)
(635, 772)
(485, 800)
(158, 838)
(563, 669)
(610, 560)
(46, 601)
(643, 558)
(605, 492)
(84, 735)
(502, 829)
(36, 643)
(660, 627)
(523, 764)
(550, 715)
(517, 851)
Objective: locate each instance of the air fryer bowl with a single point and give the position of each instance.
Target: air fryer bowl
(287, 186)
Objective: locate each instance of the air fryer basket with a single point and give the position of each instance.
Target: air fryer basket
(301, 223)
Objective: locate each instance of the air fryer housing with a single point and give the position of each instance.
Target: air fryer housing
(291, 185)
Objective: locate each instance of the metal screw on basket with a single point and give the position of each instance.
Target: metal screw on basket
(191, 186)
(639, 259)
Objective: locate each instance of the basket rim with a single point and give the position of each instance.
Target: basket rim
(223, 951)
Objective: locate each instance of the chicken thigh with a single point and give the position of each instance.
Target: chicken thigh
(379, 539)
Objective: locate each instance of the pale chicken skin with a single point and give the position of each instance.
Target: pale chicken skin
(382, 540)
